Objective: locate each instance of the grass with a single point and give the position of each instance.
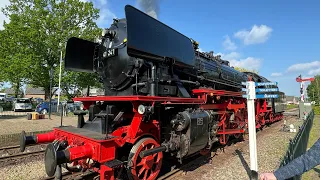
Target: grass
(313, 137)
(291, 106)
(316, 110)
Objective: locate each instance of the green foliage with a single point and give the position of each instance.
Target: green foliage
(37, 32)
(291, 106)
(316, 110)
(313, 137)
(7, 106)
(245, 70)
(313, 90)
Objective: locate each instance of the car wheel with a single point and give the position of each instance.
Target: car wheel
(44, 111)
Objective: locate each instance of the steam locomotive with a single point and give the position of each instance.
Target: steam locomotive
(162, 97)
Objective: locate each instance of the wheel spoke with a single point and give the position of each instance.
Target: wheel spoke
(145, 174)
(140, 164)
(141, 171)
(154, 155)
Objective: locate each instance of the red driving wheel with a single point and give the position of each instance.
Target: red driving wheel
(146, 168)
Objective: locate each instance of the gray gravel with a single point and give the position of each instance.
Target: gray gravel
(25, 170)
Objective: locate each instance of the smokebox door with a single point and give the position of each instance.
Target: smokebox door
(149, 38)
(79, 55)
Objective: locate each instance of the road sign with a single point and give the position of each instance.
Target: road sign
(266, 96)
(251, 93)
(267, 84)
(267, 90)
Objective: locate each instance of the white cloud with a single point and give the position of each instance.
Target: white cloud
(314, 72)
(250, 63)
(201, 50)
(105, 14)
(228, 44)
(276, 74)
(3, 3)
(304, 66)
(257, 35)
(230, 56)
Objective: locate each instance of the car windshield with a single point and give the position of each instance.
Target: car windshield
(1, 95)
(23, 101)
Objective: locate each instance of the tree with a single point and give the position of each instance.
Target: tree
(241, 69)
(41, 28)
(73, 82)
(15, 57)
(313, 89)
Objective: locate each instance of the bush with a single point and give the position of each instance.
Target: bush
(7, 106)
(316, 110)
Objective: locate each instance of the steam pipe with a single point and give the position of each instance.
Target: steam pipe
(153, 83)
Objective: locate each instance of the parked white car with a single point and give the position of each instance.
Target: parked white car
(3, 96)
(22, 104)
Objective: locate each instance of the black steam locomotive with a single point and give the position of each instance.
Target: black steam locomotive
(142, 56)
(161, 95)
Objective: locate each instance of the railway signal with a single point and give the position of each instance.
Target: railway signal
(302, 89)
(251, 95)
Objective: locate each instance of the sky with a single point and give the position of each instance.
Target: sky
(279, 39)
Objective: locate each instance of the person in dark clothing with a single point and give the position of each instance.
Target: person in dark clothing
(298, 166)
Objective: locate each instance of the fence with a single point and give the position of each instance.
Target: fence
(298, 145)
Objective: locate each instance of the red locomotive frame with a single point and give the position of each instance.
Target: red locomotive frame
(84, 144)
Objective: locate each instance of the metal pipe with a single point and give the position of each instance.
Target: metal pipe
(153, 83)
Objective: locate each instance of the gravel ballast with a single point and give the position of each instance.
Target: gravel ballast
(234, 162)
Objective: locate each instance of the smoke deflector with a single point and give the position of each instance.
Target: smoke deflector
(151, 39)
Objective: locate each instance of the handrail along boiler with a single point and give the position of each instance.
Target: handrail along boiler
(162, 97)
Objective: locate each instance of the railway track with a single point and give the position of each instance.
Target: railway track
(8, 155)
(177, 170)
(21, 155)
(16, 146)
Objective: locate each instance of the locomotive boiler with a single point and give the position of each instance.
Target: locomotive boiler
(162, 96)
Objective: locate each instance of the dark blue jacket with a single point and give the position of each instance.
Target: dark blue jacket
(301, 164)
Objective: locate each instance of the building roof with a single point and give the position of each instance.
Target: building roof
(31, 90)
(9, 91)
(290, 98)
(93, 91)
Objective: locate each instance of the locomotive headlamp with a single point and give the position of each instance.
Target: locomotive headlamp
(141, 109)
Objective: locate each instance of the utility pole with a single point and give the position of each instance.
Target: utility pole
(59, 89)
(60, 44)
(50, 92)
